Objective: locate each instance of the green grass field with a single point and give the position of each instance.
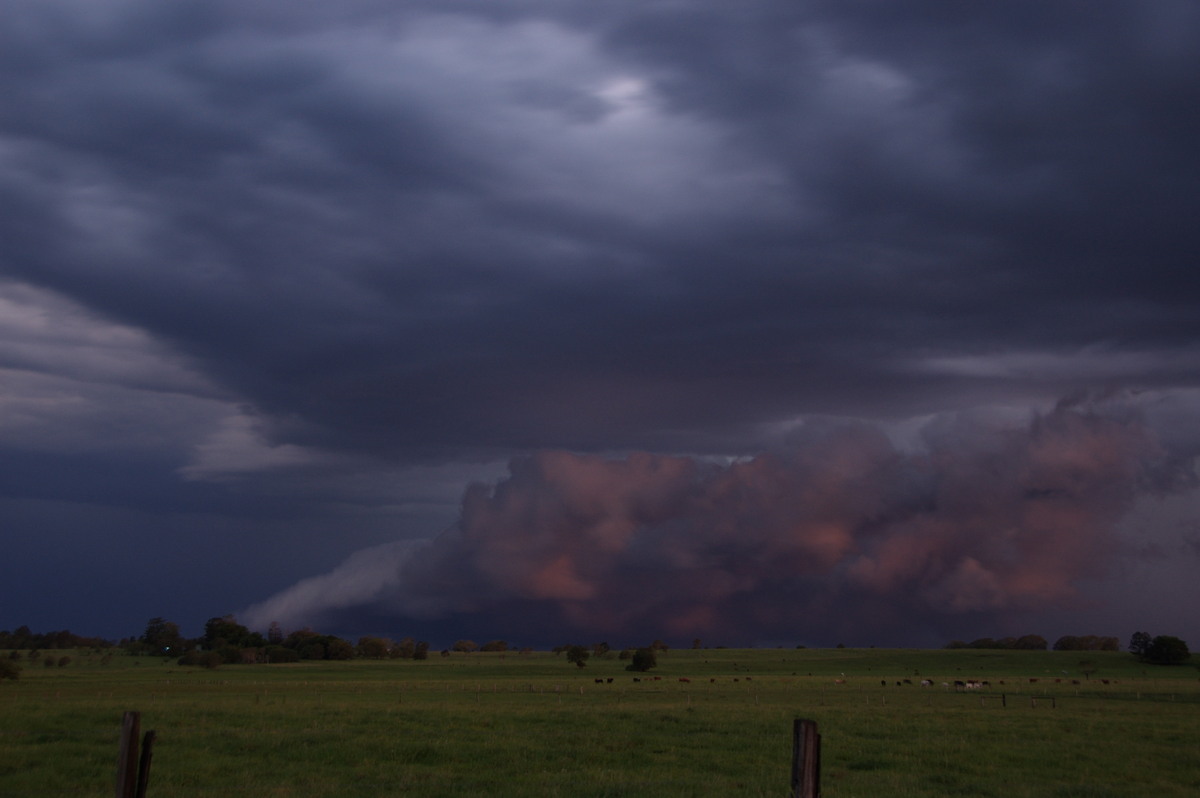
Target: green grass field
(533, 725)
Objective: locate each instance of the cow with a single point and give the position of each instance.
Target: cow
(927, 682)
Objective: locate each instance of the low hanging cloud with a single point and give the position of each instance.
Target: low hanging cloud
(838, 531)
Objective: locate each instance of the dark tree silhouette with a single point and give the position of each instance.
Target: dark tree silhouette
(578, 654)
(1167, 650)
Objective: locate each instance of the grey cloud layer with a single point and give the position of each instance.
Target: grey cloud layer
(451, 232)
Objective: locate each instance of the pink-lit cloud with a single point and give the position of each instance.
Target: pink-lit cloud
(836, 531)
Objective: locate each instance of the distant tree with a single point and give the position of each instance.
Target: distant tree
(642, 660)
(337, 648)
(373, 647)
(226, 631)
(658, 645)
(600, 649)
(578, 655)
(465, 646)
(405, 648)
(162, 637)
(275, 634)
(1031, 643)
(1139, 644)
(626, 653)
(421, 650)
(696, 643)
(9, 669)
(494, 645)
(1086, 643)
(1167, 650)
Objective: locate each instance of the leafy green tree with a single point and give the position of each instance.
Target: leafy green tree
(494, 645)
(421, 650)
(465, 646)
(1139, 644)
(578, 654)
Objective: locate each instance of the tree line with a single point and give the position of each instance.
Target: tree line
(227, 642)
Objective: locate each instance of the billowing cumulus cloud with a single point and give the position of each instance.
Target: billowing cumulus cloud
(837, 531)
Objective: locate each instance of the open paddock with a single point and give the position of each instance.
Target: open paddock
(534, 725)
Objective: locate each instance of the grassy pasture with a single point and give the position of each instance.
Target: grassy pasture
(533, 725)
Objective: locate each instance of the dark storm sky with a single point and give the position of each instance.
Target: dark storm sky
(792, 321)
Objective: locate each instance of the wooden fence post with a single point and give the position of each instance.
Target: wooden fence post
(806, 759)
(143, 778)
(127, 756)
(133, 774)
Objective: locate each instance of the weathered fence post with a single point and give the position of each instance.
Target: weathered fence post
(143, 778)
(127, 756)
(806, 759)
(133, 774)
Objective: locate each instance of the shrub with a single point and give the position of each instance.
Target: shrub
(9, 669)
(203, 659)
(277, 654)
